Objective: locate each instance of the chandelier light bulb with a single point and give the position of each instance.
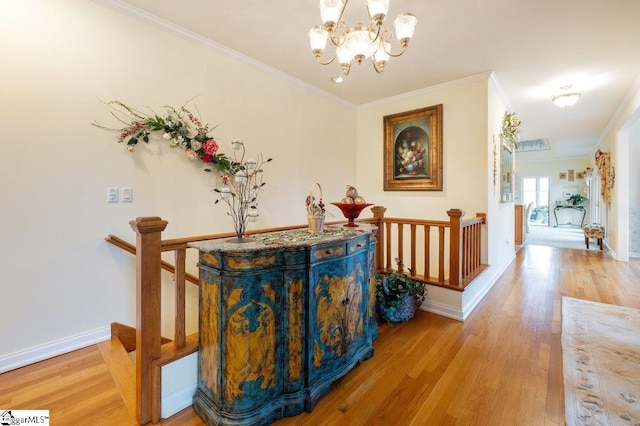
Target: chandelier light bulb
(330, 12)
(405, 24)
(377, 10)
(318, 38)
(381, 57)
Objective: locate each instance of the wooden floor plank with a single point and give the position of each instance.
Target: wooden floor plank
(503, 366)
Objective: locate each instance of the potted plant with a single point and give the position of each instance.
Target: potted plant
(576, 199)
(398, 295)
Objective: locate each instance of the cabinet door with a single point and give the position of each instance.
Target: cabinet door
(336, 317)
(357, 268)
(252, 340)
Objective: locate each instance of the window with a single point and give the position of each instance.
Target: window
(536, 190)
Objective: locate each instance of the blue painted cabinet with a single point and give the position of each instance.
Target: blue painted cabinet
(281, 319)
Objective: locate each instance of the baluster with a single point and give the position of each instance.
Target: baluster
(179, 325)
(441, 230)
(389, 265)
(413, 267)
(427, 252)
(400, 248)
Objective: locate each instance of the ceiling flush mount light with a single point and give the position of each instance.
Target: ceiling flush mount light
(567, 98)
(359, 42)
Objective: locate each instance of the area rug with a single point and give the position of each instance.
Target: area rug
(601, 358)
(561, 237)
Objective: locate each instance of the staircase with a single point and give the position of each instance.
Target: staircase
(440, 253)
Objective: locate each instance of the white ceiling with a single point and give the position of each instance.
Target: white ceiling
(532, 46)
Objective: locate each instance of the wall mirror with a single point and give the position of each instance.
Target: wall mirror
(506, 173)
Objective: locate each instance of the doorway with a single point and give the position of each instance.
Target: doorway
(535, 190)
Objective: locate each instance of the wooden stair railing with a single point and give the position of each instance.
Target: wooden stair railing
(455, 269)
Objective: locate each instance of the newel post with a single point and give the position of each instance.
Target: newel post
(148, 264)
(455, 246)
(378, 215)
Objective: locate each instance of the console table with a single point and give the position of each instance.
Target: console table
(281, 319)
(569, 206)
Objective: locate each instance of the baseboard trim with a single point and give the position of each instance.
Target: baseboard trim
(442, 310)
(178, 400)
(57, 347)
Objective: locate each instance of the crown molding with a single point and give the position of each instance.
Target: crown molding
(454, 83)
(501, 93)
(626, 102)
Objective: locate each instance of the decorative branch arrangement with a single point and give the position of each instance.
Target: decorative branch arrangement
(179, 127)
(241, 185)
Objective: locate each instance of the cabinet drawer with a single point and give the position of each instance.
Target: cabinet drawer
(358, 244)
(328, 252)
(256, 262)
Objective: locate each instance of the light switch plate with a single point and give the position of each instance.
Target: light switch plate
(126, 195)
(112, 194)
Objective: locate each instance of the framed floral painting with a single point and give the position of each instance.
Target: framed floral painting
(413, 150)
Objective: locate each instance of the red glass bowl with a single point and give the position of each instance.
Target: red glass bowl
(351, 211)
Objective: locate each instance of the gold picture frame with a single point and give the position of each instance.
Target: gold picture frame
(413, 150)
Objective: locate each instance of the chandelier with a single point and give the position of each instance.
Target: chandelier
(359, 42)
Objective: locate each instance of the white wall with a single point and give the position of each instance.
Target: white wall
(499, 233)
(616, 141)
(60, 278)
(634, 191)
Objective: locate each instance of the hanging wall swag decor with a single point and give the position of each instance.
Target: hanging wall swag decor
(607, 175)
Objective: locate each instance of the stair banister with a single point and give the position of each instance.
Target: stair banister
(148, 317)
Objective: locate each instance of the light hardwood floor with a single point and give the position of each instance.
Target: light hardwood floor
(503, 366)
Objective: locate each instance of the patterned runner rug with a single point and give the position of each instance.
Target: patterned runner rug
(601, 358)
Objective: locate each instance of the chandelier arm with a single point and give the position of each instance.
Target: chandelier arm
(328, 62)
(395, 55)
(378, 32)
(376, 67)
(344, 6)
(346, 69)
(333, 39)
